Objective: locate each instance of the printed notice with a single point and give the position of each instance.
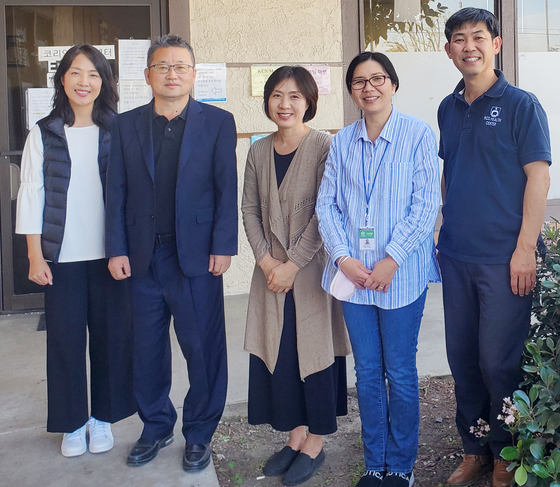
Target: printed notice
(210, 83)
(38, 104)
(322, 76)
(56, 53)
(132, 58)
(259, 75)
(133, 93)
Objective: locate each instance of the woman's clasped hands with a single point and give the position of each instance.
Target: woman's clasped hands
(279, 275)
(378, 279)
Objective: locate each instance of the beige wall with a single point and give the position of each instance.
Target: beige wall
(263, 32)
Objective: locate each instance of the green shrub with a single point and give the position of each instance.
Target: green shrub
(533, 414)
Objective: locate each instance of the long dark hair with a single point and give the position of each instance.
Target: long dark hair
(105, 104)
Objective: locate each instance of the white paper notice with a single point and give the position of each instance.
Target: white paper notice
(38, 104)
(210, 83)
(132, 58)
(322, 76)
(133, 94)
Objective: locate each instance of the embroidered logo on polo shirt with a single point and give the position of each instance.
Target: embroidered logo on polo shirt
(494, 117)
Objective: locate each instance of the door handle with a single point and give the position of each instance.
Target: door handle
(14, 180)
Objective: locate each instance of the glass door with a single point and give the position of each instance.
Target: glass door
(411, 33)
(35, 37)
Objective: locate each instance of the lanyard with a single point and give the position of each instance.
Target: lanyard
(370, 193)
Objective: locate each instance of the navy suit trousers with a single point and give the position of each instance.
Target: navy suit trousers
(197, 307)
(485, 329)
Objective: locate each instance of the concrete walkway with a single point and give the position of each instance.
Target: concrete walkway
(30, 457)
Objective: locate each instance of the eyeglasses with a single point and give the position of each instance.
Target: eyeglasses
(377, 80)
(164, 68)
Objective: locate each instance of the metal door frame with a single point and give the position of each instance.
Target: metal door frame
(27, 302)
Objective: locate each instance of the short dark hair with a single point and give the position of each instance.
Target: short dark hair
(169, 40)
(381, 58)
(104, 106)
(472, 16)
(305, 83)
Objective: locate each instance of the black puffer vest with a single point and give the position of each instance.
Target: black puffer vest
(56, 169)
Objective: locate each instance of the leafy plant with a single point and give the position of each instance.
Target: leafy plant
(533, 415)
(424, 34)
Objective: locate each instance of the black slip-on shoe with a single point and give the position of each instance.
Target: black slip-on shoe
(145, 451)
(303, 468)
(280, 462)
(196, 457)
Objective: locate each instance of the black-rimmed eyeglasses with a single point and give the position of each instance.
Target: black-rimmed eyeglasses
(178, 68)
(377, 80)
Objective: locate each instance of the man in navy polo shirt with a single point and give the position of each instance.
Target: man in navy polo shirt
(495, 145)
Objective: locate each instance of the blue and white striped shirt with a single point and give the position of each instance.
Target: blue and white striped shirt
(401, 171)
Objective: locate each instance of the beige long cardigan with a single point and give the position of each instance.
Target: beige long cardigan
(283, 222)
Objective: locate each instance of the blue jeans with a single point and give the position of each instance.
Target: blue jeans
(384, 345)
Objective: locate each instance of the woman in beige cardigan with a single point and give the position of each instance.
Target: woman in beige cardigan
(297, 376)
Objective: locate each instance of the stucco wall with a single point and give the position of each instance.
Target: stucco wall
(266, 32)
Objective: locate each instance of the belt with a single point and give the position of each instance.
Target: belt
(161, 239)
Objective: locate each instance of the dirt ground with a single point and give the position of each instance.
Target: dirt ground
(240, 449)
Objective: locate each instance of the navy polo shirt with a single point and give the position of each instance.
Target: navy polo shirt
(167, 137)
(484, 147)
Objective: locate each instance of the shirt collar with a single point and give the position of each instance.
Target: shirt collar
(182, 115)
(495, 91)
(388, 131)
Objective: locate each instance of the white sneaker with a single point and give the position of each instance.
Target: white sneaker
(100, 436)
(74, 444)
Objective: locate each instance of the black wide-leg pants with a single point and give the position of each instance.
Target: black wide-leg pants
(84, 297)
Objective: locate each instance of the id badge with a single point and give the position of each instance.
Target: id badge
(366, 238)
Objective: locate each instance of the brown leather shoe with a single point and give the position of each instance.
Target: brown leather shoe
(472, 468)
(501, 477)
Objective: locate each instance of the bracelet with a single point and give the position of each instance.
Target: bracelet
(342, 260)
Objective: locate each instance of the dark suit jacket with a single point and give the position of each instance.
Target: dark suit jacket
(206, 199)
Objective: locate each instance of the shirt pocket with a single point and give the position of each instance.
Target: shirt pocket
(397, 180)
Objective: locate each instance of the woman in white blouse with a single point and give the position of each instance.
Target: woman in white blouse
(61, 211)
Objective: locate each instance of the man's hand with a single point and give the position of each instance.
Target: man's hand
(119, 267)
(219, 264)
(39, 271)
(355, 271)
(523, 271)
(382, 274)
(281, 278)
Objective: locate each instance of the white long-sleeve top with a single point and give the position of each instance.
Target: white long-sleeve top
(84, 231)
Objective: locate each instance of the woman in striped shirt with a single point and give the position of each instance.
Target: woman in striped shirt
(377, 206)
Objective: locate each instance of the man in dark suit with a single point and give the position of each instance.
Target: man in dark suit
(171, 226)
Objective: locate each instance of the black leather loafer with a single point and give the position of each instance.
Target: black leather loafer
(303, 468)
(196, 457)
(145, 451)
(280, 462)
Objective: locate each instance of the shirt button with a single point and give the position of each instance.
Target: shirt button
(152, 217)
(469, 115)
(169, 130)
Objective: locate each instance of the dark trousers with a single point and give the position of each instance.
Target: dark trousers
(485, 329)
(84, 297)
(197, 307)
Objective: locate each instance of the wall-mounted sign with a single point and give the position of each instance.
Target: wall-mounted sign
(132, 58)
(322, 76)
(210, 82)
(259, 75)
(56, 53)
